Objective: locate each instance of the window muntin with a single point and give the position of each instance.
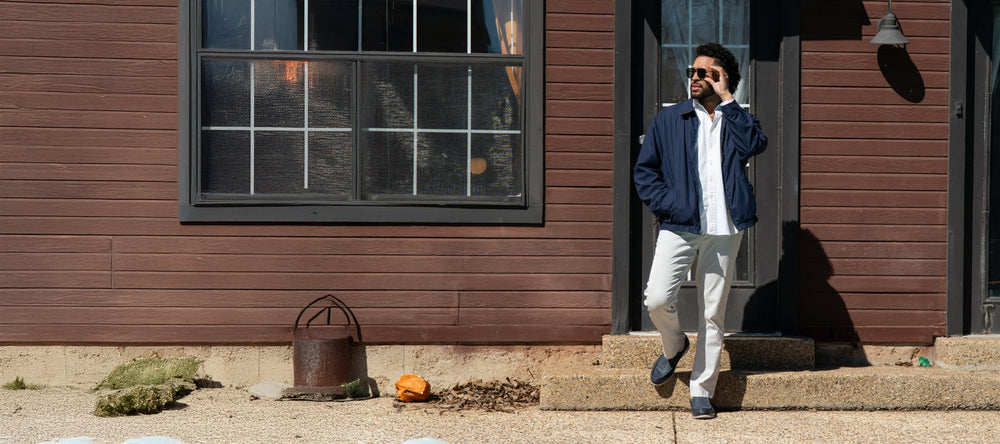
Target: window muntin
(378, 107)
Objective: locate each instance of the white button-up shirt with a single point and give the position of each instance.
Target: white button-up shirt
(715, 217)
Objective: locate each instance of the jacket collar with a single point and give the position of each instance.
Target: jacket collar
(686, 107)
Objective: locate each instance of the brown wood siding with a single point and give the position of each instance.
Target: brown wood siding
(91, 250)
(873, 173)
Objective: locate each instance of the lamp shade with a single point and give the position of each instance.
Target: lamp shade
(888, 32)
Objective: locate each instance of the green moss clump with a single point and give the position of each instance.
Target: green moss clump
(150, 371)
(146, 386)
(353, 389)
(19, 384)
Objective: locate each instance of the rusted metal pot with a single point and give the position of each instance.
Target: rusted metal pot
(324, 353)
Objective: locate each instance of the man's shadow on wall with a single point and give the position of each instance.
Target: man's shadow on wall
(821, 311)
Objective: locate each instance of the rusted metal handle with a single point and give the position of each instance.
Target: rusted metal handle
(334, 302)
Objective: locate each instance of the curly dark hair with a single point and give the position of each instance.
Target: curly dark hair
(724, 59)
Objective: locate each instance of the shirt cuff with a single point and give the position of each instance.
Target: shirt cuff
(727, 102)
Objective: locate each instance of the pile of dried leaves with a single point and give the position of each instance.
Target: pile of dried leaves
(493, 396)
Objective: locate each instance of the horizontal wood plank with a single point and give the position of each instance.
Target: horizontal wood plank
(871, 164)
(889, 250)
(867, 96)
(364, 281)
(88, 119)
(578, 178)
(169, 227)
(863, 113)
(579, 74)
(54, 244)
(874, 198)
(876, 301)
(536, 316)
(580, 22)
(878, 233)
(88, 155)
(575, 195)
(35, 65)
(578, 161)
(917, 45)
(88, 172)
(888, 216)
(579, 57)
(876, 284)
(74, 189)
(873, 267)
(578, 91)
(551, 299)
(349, 263)
(12, 139)
(865, 61)
(76, 297)
(872, 79)
(879, 181)
(577, 7)
(295, 299)
(360, 246)
(55, 279)
(187, 334)
(877, 148)
(55, 261)
(57, 13)
(125, 316)
(571, 213)
(103, 84)
(579, 39)
(880, 318)
(89, 31)
(577, 126)
(572, 143)
(578, 108)
(879, 130)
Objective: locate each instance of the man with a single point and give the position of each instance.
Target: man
(690, 173)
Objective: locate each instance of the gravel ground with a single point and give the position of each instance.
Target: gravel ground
(228, 415)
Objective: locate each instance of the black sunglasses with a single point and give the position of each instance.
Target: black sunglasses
(691, 71)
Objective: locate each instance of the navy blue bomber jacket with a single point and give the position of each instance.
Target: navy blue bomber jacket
(666, 172)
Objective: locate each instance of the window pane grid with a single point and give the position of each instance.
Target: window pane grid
(253, 52)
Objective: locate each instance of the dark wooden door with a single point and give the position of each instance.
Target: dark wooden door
(668, 32)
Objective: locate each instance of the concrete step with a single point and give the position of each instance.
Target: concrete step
(743, 352)
(598, 387)
(968, 353)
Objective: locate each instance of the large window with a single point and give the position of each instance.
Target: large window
(380, 111)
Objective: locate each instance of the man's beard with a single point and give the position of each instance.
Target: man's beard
(705, 92)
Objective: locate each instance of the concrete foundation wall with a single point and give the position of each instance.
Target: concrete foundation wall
(243, 366)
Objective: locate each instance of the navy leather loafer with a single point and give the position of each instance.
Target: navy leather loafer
(664, 368)
(701, 408)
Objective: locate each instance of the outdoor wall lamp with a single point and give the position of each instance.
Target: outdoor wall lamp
(888, 30)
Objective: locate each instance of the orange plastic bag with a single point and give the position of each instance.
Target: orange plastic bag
(412, 388)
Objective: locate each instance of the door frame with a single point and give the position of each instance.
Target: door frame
(630, 29)
(968, 193)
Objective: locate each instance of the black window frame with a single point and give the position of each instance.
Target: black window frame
(309, 211)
